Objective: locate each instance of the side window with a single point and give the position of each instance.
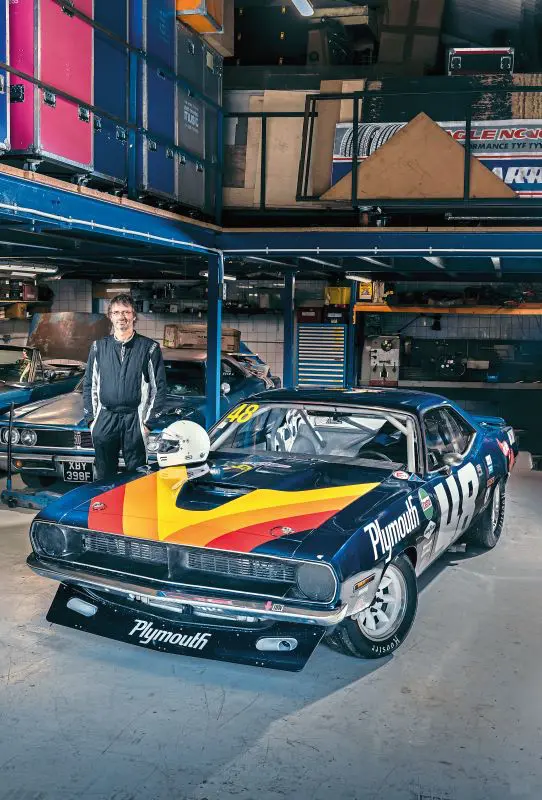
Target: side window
(460, 433)
(229, 374)
(437, 437)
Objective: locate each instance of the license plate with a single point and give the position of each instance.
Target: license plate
(77, 472)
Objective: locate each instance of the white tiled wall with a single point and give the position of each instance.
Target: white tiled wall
(71, 295)
(263, 334)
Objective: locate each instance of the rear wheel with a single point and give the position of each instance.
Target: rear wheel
(486, 531)
(381, 628)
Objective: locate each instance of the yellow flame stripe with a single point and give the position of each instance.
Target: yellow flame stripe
(150, 511)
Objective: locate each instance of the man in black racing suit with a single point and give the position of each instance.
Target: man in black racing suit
(124, 391)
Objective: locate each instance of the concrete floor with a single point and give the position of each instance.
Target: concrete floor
(455, 714)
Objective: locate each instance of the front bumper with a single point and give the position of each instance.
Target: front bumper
(161, 595)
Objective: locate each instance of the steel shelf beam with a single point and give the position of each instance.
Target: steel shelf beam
(40, 200)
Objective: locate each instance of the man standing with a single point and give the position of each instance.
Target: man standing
(124, 391)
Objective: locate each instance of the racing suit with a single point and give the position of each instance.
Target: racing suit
(124, 390)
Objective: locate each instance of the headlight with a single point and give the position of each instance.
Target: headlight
(153, 442)
(14, 435)
(55, 540)
(29, 438)
(316, 581)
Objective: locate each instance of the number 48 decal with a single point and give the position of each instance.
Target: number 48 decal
(243, 413)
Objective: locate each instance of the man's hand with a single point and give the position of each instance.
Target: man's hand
(146, 430)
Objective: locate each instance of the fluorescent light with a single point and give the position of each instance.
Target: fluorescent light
(376, 261)
(304, 7)
(358, 278)
(205, 274)
(319, 261)
(35, 270)
(436, 261)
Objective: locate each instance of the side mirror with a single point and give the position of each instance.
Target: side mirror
(225, 388)
(50, 375)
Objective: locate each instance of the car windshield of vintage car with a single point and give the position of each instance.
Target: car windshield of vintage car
(185, 378)
(16, 365)
(315, 431)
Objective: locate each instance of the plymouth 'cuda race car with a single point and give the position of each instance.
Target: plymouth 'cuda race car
(52, 445)
(315, 514)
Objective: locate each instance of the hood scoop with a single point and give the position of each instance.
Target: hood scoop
(199, 495)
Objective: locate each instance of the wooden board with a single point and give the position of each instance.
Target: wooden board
(420, 161)
(330, 112)
(525, 310)
(527, 106)
(283, 150)
(244, 197)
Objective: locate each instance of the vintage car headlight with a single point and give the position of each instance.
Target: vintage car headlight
(316, 581)
(153, 442)
(14, 435)
(29, 438)
(55, 540)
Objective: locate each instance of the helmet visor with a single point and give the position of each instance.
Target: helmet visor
(168, 446)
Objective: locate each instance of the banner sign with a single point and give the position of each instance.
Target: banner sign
(512, 149)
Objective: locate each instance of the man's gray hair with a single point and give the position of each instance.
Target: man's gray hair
(122, 300)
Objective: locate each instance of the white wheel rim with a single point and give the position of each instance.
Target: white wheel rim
(386, 613)
(496, 508)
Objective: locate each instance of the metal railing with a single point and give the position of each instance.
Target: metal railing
(470, 97)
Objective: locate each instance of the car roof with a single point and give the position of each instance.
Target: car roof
(371, 396)
(188, 354)
(171, 354)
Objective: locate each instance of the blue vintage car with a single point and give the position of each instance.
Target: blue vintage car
(318, 513)
(51, 443)
(25, 377)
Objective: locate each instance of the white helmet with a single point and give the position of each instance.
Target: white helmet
(183, 442)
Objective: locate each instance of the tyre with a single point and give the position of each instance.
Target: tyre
(38, 481)
(382, 628)
(486, 531)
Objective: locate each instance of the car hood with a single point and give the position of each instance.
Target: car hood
(64, 410)
(266, 503)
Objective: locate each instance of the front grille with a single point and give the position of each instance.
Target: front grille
(64, 438)
(154, 552)
(83, 439)
(236, 566)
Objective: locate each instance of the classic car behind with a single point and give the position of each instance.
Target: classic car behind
(25, 377)
(51, 442)
(319, 511)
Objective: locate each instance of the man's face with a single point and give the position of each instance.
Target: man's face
(122, 318)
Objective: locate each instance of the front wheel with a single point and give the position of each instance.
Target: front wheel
(486, 531)
(384, 625)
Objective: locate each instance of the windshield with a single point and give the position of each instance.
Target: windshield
(185, 377)
(16, 365)
(355, 433)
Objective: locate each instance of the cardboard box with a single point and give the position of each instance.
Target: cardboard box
(170, 335)
(16, 311)
(195, 337)
(337, 295)
(411, 32)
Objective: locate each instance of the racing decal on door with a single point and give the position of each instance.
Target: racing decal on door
(456, 497)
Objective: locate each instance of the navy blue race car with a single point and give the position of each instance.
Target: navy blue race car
(51, 443)
(317, 514)
(25, 377)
